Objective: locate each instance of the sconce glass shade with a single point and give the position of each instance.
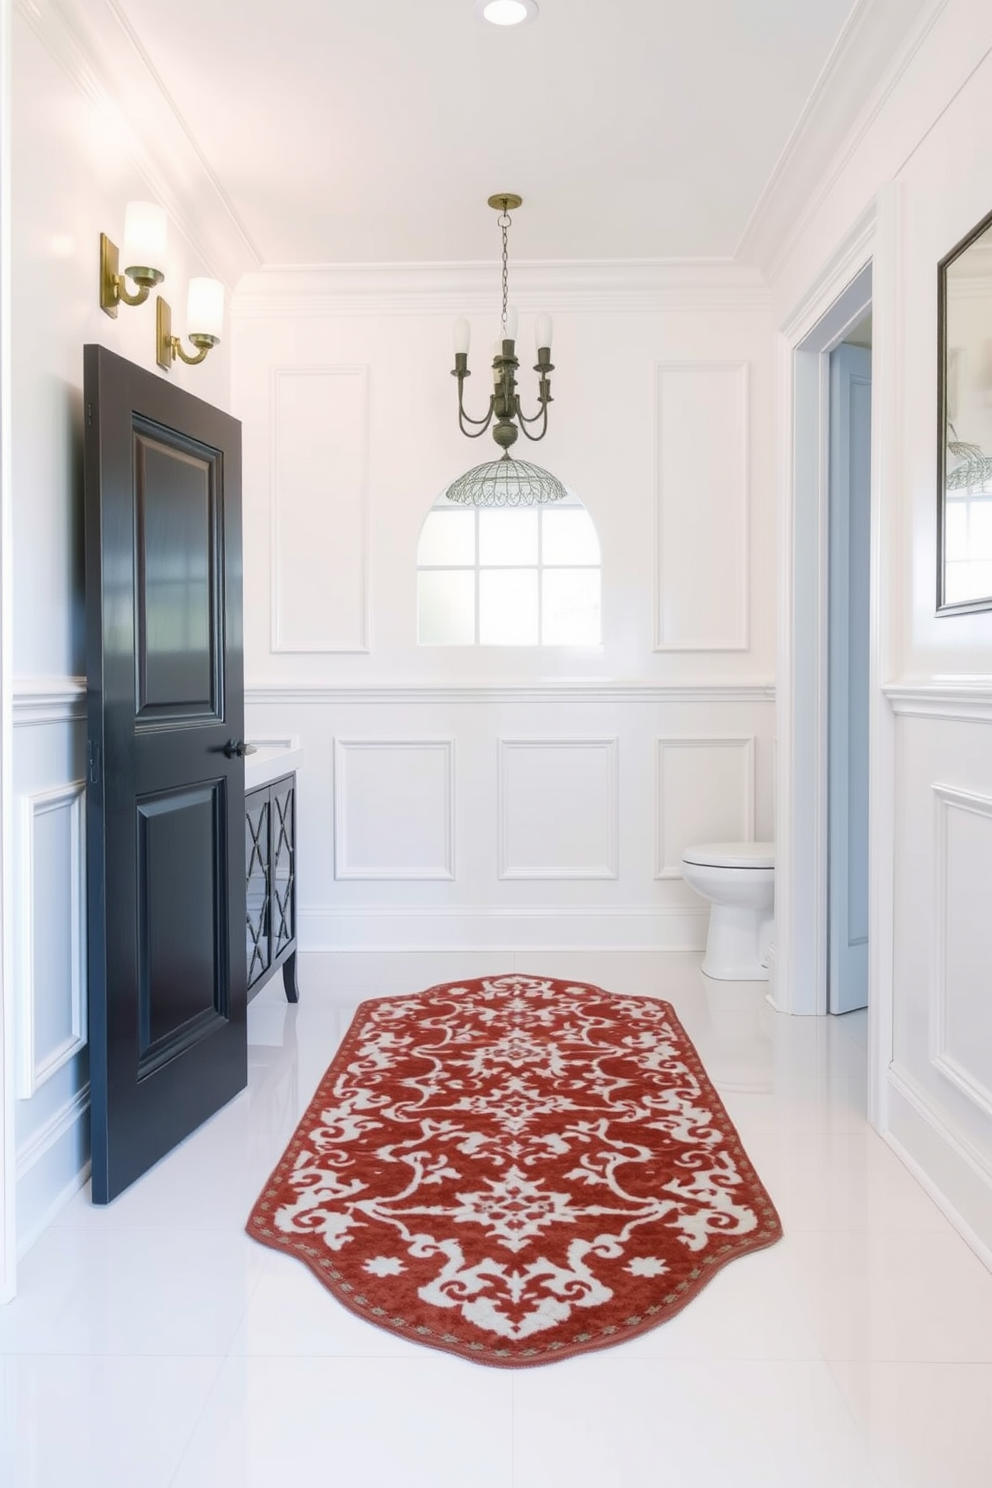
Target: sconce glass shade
(205, 308)
(145, 237)
(506, 482)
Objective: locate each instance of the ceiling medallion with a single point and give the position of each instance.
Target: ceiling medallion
(506, 482)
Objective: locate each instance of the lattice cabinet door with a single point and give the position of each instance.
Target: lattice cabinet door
(270, 868)
(282, 876)
(257, 811)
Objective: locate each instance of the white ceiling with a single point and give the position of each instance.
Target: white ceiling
(351, 131)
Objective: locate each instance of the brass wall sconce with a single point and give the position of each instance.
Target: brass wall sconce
(205, 316)
(143, 252)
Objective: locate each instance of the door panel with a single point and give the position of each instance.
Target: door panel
(180, 878)
(180, 628)
(165, 801)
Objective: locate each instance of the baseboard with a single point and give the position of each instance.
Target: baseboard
(945, 1164)
(53, 1165)
(480, 928)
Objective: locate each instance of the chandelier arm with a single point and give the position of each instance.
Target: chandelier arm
(524, 421)
(465, 418)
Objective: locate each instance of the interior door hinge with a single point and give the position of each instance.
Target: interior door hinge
(94, 762)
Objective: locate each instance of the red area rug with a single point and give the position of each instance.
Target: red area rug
(515, 1169)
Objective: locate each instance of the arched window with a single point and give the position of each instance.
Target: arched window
(508, 576)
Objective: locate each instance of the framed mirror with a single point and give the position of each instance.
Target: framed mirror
(964, 437)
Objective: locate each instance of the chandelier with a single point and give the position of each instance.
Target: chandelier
(506, 482)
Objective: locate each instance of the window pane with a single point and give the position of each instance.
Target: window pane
(447, 539)
(508, 607)
(446, 609)
(571, 608)
(507, 537)
(569, 537)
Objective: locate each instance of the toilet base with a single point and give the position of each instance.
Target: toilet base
(737, 944)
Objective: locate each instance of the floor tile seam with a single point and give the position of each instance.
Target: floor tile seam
(198, 1416)
(914, 1362)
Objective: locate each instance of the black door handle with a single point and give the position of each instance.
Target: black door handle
(237, 749)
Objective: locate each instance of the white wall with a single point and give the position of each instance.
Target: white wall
(75, 162)
(927, 132)
(548, 792)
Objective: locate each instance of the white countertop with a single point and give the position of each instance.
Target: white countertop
(272, 758)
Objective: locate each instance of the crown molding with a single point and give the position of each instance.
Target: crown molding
(467, 288)
(321, 694)
(869, 59)
(98, 48)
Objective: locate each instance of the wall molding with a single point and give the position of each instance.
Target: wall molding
(508, 928)
(872, 55)
(102, 54)
(48, 700)
(274, 693)
(957, 702)
(610, 748)
(32, 1072)
(52, 1131)
(63, 699)
(639, 285)
(386, 872)
(964, 1192)
(746, 744)
(947, 799)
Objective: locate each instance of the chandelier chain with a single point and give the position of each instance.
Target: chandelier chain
(504, 222)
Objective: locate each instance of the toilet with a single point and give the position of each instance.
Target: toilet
(738, 878)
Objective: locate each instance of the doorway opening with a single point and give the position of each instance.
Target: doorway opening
(848, 667)
(806, 911)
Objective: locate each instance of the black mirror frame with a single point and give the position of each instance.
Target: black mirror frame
(967, 606)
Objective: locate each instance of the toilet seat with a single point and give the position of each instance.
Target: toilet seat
(731, 854)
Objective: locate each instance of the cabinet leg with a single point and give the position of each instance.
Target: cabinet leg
(289, 979)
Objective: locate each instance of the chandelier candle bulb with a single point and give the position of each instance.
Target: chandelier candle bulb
(543, 328)
(205, 309)
(512, 322)
(462, 336)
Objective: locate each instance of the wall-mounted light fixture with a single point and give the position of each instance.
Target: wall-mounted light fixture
(143, 254)
(204, 320)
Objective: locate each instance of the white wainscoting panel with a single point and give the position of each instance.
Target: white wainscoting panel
(558, 808)
(960, 1017)
(704, 792)
(51, 981)
(394, 809)
(320, 515)
(701, 506)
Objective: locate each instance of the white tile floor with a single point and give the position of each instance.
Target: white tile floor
(154, 1346)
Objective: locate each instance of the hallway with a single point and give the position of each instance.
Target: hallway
(172, 1352)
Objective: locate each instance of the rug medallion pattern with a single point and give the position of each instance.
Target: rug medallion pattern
(515, 1169)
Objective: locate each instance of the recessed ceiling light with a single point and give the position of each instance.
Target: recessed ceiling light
(506, 12)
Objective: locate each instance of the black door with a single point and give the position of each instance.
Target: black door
(165, 809)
